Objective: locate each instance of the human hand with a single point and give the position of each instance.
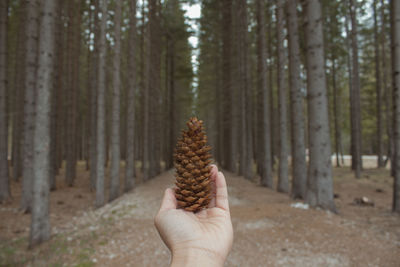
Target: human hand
(197, 239)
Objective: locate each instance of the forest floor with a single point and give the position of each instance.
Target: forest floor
(270, 228)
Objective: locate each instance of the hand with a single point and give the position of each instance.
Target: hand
(197, 239)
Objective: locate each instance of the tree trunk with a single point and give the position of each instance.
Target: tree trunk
(40, 225)
(228, 158)
(336, 111)
(283, 179)
(395, 43)
(355, 99)
(73, 88)
(130, 117)
(319, 184)
(299, 167)
(30, 95)
(18, 110)
(379, 122)
(100, 149)
(116, 105)
(93, 105)
(387, 94)
(264, 154)
(4, 175)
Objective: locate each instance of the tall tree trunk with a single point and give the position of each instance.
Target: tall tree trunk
(336, 111)
(270, 68)
(395, 43)
(299, 167)
(387, 95)
(4, 175)
(145, 103)
(378, 83)
(116, 105)
(100, 149)
(355, 99)
(283, 177)
(73, 78)
(264, 154)
(130, 117)
(40, 225)
(228, 158)
(319, 184)
(18, 110)
(93, 105)
(30, 95)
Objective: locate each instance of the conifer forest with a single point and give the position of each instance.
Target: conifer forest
(300, 103)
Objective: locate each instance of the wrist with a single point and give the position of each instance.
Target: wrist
(196, 257)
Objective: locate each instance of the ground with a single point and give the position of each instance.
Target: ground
(270, 228)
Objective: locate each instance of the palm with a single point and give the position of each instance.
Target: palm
(209, 230)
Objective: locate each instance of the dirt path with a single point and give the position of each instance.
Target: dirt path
(268, 230)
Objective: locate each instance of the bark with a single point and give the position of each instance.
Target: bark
(336, 111)
(40, 225)
(319, 183)
(30, 95)
(73, 90)
(228, 159)
(245, 125)
(283, 178)
(145, 105)
(271, 90)
(93, 104)
(116, 105)
(18, 110)
(299, 167)
(4, 175)
(379, 121)
(355, 102)
(130, 117)
(264, 134)
(387, 94)
(395, 44)
(100, 150)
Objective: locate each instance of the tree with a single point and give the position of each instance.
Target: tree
(100, 132)
(40, 225)
(245, 94)
(31, 32)
(4, 175)
(319, 183)
(283, 179)
(73, 47)
(228, 157)
(263, 90)
(355, 105)
(299, 167)
(130, 118)
(379, 121)
(115, 134)
(395, 43)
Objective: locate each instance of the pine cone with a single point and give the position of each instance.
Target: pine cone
(192, 159)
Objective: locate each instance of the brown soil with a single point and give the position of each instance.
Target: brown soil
(268, 230)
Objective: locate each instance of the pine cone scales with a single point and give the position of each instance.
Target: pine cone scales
(192, 159)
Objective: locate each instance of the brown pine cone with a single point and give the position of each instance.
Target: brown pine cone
(192, 159)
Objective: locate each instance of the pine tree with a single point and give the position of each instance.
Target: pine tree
(40, 226)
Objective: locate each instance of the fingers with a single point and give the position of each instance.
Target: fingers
(214, 174)
(169, 200)
(221, 194)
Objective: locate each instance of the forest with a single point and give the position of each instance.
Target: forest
(300, 101)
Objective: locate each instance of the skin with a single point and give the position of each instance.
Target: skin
(197, 239)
